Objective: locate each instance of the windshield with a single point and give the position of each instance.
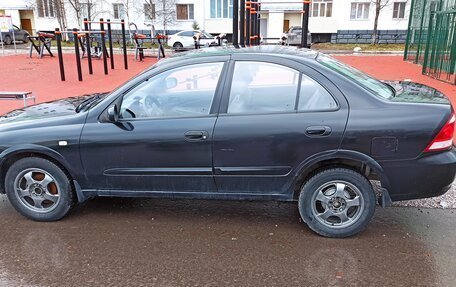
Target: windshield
(379, 88)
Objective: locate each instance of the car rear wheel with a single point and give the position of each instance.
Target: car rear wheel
(337, 202)
(39, 189)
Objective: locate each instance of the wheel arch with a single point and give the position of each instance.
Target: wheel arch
(354, 160)
(13, 154)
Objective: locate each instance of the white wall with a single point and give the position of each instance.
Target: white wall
(275, 25)
(340, 19)
(341, 11)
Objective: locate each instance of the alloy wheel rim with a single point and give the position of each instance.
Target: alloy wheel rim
(337, 204)
(37, 190)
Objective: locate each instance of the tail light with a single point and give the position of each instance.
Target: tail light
(444, 139)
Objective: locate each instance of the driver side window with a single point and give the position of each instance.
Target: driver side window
(181, 92)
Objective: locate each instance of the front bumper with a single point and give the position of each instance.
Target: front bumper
(428, 176)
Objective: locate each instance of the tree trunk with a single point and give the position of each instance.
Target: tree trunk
(164, 16)
(377, 14)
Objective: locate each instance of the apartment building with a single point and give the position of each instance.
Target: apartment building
(339, 21)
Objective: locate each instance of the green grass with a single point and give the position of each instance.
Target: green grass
(364, 47)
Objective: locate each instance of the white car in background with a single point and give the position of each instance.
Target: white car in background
(184, 39)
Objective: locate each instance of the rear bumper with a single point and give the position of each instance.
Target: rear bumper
(427, 176)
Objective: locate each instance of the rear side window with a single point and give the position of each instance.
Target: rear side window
(313, 97)
(187, 34)
(259, 87)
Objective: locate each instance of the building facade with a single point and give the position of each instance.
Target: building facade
(340, 21)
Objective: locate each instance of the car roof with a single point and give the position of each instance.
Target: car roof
(277, 50)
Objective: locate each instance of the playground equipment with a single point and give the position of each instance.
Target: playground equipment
(140, 40)
(246, 21)
(23, 96)
(89, 35)
(40, 42)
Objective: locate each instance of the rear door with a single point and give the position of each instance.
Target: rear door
(275, 115)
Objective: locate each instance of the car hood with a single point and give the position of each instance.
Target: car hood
(52, 109)
(417, 93)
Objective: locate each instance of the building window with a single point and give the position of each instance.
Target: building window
(184, 11)
(221, 9)
(360, 11)
(322, 8)
(119, 11)
(45, 8)
(399, 10)
(149, 11)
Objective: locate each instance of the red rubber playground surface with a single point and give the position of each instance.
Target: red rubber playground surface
(42, 76)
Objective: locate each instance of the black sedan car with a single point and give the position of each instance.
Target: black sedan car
(264, 123)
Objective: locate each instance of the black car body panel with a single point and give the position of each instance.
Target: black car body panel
(242, 156)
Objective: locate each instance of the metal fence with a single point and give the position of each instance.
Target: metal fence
(440, 54)
(430, 37)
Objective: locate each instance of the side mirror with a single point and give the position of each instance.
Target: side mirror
(171, 82)
(113, 114)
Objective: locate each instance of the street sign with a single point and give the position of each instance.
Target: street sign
(6, 24)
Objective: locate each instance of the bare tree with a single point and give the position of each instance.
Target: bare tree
(60, 13)
(166, 12)
(379, 6)
(149, 10)
(85, 8)
(77, 8)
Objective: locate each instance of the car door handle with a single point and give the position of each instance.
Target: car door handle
(318, 131)
(196, 135)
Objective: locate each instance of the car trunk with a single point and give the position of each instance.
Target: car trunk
(411, 92)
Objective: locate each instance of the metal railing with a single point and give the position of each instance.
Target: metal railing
(440, 54)
(431, 38)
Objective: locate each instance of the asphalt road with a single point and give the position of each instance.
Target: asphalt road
(146, 242)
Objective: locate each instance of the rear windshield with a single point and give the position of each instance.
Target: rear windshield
(379, 88)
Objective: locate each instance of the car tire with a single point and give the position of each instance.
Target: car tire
(8, 40)
(26, 39)
(39, 189)
(337, 202)
(178, 46)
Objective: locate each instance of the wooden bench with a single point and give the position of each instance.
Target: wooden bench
(24, 96)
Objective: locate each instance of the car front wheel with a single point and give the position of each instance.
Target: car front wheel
(8, 40)
(38, 189)
(178, 46)
(337, 202)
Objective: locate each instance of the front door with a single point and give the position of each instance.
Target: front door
(163, 139)
(273, 118)
(286, 25)
(26, 25)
